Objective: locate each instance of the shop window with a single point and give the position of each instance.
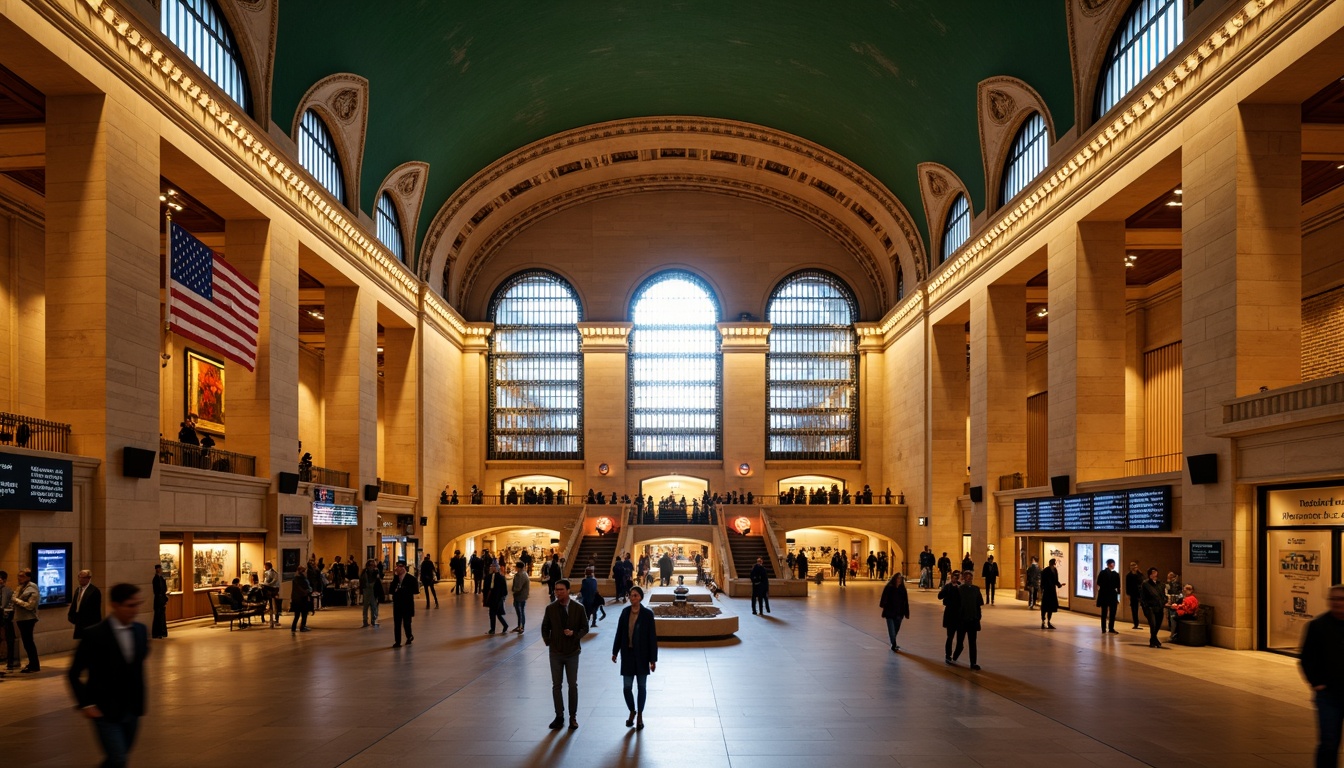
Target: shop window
(198, 29)
(170, 558)
(214, 563)
(1148, 33)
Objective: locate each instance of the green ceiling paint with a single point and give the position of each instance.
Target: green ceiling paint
(886, 83)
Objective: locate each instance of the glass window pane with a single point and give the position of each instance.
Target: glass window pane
(389, 226)
(198, 29)
(317, 154)
(957, 230)
(1028, 156)
(1150, 31)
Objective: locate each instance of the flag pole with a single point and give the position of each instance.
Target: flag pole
(168, 288)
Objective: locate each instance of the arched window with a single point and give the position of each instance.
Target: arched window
(675, 369)
(1027, 157)
(198, 29)
(536, 369)
(957, 228)
(1149, 32)
(812, 369)
(900, 283)
(389, 226)
(317, 153)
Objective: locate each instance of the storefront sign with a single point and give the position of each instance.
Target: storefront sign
(1206, 552)
(291, 525)
(1305, 506)
(51, 571)
(34, 483)
(335, 514)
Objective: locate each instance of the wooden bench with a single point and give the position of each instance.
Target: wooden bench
(225, 613)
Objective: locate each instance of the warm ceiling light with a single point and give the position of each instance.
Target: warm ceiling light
(1042, 312)
(1130, 259)
(1339, 167)
(380, 350)
(1174, 204)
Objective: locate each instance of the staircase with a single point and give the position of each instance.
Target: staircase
(601, 549)
(744, 551)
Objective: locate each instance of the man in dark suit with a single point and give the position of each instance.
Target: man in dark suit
(112, 653)
(404, 591)
(760, 587)
(1108, 596)
(160, 585)
(968, 604)
(86, 606)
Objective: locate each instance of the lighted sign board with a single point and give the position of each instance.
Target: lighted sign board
(335, 514)
(1136, 509)
(35, 483)
(51, 572)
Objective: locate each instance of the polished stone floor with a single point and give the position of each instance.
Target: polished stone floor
(812, 684)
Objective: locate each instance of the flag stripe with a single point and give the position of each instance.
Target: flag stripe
(210, 302)
(206, 315)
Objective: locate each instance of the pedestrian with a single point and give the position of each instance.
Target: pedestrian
(1033, 578)
(944, 567)
(872, 564)
(159, 588)
(563, 624)
(553, 576)
(270, 589)
(520, 587)
(636, 643)
(665, 570)
(1108, 596)
(371, 585)
(969, 603)
(926, 563)
(477, 566)
(841, 565)
(86, 606)
(790, 561)
(404, 591)
(1049, 597)
(802, 565)
(1133, 586)
(951, 598)
(112, 655)
(589, 596)
(496, 590)
(1323, 666)
(967, 564)
(7, 631)
(429, 576)
(760, 588)
(1174, 593)
(26, 600)
(895, 605)
(990, 572)
(1153, 598)
(300, 600)
(458, 565)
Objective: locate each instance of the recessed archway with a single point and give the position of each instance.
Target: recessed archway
(820, 543)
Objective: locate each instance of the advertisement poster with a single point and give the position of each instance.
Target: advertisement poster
(1112, 552)
(1299, 582)
(1059, 550)
(52, 573)
(1085, 580)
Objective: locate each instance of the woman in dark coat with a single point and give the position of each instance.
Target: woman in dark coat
(1049, 600)
(636, 644)
(950, 594)
(895, 605)
(300, 600)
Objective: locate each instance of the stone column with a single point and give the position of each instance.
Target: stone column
(998, 387)
(350, 384)
(873, 410)
(606, 401)
(744, 411)
(948, 403)
(1087, 352)
(1241, 306)
(401, 385)
(103, 317)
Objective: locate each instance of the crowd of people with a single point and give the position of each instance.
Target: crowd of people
(836, 495)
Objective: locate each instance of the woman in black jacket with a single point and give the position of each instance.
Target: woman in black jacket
(950, 594)
(637, 644)
(1049, 599)
(895, 605)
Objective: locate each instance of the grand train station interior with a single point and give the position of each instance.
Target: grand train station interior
(1054, 279)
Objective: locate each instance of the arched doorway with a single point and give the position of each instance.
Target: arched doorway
(820, 543)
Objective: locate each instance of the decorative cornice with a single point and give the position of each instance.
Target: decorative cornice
(899, 318)
(605, 337)
(745, 337)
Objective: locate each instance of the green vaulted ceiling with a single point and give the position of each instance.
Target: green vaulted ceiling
(886, 83)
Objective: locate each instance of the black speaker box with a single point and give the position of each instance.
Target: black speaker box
(288, 483)
(370, 493)
(1059, 485)
(977, 494)
(137, 462)
(1203, 468)
(424, 521)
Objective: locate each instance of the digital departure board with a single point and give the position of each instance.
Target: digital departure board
(1137, 509)
(1150, 509)
(1078, 512)
(1024, 515)
(1050, 514)
(1110, 511)
(35, 483)
(335, 514)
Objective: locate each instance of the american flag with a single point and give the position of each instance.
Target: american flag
(209, 302)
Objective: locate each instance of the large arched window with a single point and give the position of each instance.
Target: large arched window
(957, 228)
(1149, 32)
(675, 369)
(900, 283)
(198, 29)
(389, 226)
(812, 369)
(317, 153)
(1027, 157)
(536, 369)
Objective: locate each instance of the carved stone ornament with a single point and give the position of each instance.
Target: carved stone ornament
(344, 104)
(406, 184)
(1001, 106)
(251, 3)
(1093, 7)
(937, 184)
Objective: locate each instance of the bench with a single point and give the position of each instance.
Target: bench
(241, 617)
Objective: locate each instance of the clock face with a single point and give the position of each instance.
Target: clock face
(604, 524)
(742, 524)
(603, 468)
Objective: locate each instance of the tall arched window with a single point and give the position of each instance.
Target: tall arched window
(389, 226)
(536, 369)
(812, 369)
(675, 369)
(317, 153)
(900, 283)
(198, 29)
(1027, 157)
(1149, 32)
(957, 228)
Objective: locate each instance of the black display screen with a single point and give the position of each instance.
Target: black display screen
(1024, 515)
(1139, 509)
(1110, 511)
(34, 483)
(1078, 512)
(1050, 514)
(1150, 509)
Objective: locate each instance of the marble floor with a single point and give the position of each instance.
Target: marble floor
(813, 684)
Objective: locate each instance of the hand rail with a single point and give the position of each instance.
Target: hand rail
(1152, 465)
(178, 454)
(394, 489)
(33, 433)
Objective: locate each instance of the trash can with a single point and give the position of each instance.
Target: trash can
(1194, 631)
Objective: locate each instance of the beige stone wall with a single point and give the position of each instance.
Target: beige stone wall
(23, 309)
(312, 421)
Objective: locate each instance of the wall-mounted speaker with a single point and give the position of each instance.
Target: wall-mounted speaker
(977, 494)
(424, 521)
(370, 493)
(1203, 468)
(137, 462)
(288, 482)
(1059, 485)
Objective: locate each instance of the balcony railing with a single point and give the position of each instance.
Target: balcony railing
(214, 459)
(1298, 397)
(1152, 465)
(37, 434)
(323, 476)
(1012, 482)
(394, 489)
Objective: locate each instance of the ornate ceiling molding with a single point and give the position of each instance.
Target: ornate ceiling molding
(342, 101)
(255, 24)
(678, 153)
(938, 187)
(1092, 24)
(1003, 104)
(406, 184)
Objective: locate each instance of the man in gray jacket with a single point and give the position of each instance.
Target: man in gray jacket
(563, 624)
(26, 600)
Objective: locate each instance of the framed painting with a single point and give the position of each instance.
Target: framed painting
(205, 391)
